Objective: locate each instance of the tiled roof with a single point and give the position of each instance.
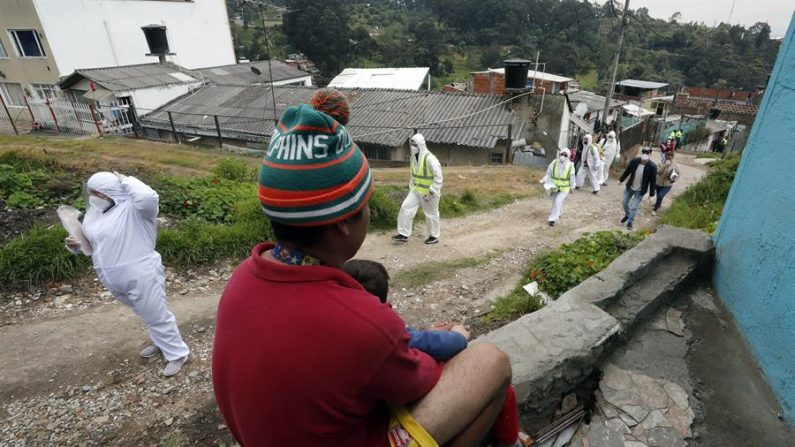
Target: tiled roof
(379, 117)
(401, 78)
(240, 74)
(132, 77)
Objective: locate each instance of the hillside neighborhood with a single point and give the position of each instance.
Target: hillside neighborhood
(231, 186)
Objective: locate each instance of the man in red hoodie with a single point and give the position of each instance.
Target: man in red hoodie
(303, 355)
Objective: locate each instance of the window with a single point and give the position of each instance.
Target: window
(496, 158)
(27, 42)
(3, 53)
(13, 94)
(44, 91)
(378, 153)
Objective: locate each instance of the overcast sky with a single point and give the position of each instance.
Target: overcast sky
(777, 13)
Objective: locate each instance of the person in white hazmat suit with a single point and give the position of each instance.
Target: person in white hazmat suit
(589, 164)
(120, 225)
(425, 189)
(559, 181)
(611, 149)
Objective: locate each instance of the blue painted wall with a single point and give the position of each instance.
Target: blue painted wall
(755, 269)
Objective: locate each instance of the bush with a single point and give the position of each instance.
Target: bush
(569, 265)
(701, 205)
(562, 269)
(383, 209)
(208, 198)
(196, 242)
(37, 257)
(26, 185)
(233, 169)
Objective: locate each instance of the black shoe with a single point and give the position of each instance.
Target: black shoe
(551, 223)
(629, 226)
(623, 219)
(431, 240)
(400, 238)
(604, 184)
(595, 192)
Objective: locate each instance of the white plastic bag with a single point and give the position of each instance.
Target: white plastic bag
(68, 215)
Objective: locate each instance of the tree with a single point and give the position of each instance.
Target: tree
(321, 31)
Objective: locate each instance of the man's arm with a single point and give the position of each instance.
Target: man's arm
(405, 375)
(626, 172)
(436, 170)
(144, 198)
(441, 345)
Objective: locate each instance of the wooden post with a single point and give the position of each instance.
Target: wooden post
(52, 112)
(173, 128)
(218, 129)
(94, 117)
(8, 114)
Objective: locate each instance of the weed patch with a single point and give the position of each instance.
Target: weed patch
(701, 205)
(37, 257)
(564, 268)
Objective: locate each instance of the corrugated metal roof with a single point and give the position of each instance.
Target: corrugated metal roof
(132, 77)
(649, 85)
(240, 74)
(532, 74)
(401, 78)
(379, 117)
(593, 101)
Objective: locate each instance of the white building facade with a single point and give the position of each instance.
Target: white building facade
(43, 40)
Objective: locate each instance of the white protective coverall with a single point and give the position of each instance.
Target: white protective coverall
(561, 164)
(123, 239)
(590, 153)
(612, 147)
(430, 204)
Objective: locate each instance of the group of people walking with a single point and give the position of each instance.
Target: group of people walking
(593, 161)
(307, 350)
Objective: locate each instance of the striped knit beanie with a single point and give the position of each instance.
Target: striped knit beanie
(313, 173)
(332, 102)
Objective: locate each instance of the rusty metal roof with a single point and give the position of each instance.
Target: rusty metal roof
(379, 117)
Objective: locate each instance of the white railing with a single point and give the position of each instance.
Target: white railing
(63, 115)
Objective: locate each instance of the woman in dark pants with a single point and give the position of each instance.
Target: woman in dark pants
(666, 176)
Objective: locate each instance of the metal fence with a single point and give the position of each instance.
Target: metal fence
(67, 116)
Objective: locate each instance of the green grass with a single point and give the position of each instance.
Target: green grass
(589, 80)
(701, 205)
(564, 268)
(38, 257)
(708, 155)
(463, 64)
(431, 271)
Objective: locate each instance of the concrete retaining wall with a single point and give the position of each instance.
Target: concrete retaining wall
(558, 347)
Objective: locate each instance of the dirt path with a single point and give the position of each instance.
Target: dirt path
(76, 379)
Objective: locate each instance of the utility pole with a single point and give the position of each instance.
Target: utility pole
(612, 87)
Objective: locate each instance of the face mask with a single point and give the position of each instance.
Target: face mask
(415, 150)
(99, 203)
(563, 158)
(644, 157)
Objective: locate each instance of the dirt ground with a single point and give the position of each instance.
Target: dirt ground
(69, 369)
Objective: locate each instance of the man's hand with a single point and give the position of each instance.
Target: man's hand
(72, 243)
(461, 330)
(428, 196)
(119, 176)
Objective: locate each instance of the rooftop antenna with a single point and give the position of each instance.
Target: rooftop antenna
(731, 11)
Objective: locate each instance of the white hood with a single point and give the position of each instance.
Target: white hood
(420, 140)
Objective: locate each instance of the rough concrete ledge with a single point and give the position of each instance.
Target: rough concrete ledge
(556, 348)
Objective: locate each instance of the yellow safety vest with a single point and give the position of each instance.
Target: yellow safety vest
(423, 178)
(563, 183)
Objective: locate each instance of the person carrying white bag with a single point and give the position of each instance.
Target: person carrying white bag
(121, 230)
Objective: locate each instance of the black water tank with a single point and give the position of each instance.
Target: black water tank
(156, 39)
(516, 73)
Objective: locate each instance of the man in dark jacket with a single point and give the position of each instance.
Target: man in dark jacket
(641, 176)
